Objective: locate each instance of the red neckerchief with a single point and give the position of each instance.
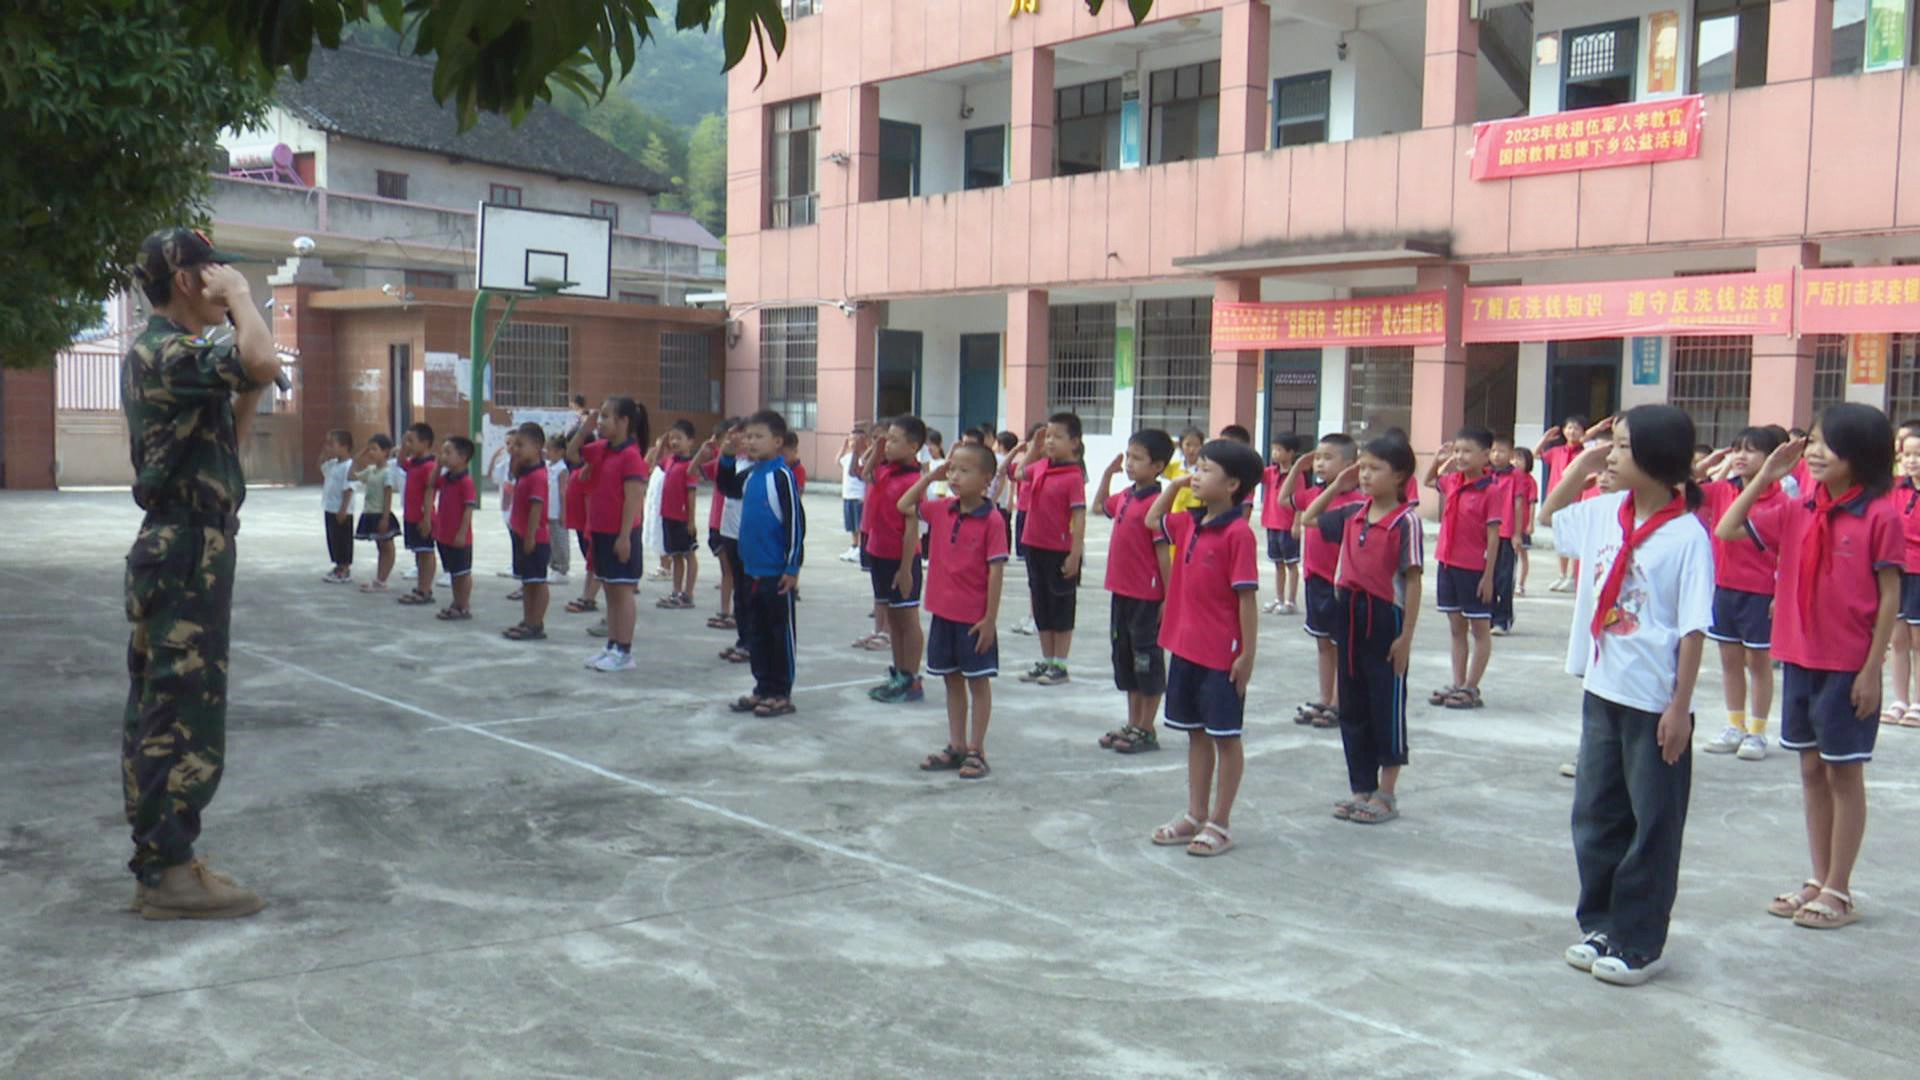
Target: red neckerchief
(1606, 608)
(1813, 549)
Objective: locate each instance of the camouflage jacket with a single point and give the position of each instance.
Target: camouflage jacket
(177, 388)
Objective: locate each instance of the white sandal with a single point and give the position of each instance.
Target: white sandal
(1894, 712)
(1788, 904)
(1169, 835)
(1205, 846)
(1818, 915)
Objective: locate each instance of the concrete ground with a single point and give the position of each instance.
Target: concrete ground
(483, 860)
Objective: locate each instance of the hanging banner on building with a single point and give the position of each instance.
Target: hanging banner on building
(1663, 52)
(1886, 34)
(1631, 134)
(1664, 307)
(1860, 300)
(1646, 360)
(1411, 319)
(1867, 359)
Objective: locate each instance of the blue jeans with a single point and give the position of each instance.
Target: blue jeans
(1629, 810)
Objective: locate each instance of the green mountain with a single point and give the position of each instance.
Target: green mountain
(677, 75)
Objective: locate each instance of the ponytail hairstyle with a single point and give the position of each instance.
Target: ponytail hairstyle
(635, 414)
(1861, 436)
(1523, 457)
(1399, 457)
(1662, 439)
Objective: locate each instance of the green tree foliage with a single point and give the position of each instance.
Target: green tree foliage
(680, 76)
(707, 174)
(1137, 8)
(109, 116)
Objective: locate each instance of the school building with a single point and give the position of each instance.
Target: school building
(1317, 215)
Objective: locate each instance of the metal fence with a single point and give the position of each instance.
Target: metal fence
(790, 364)
(1713, 382)
(686, 372)
(1379, 389)
(1172, 389)
(532, 365)
(1080, 364)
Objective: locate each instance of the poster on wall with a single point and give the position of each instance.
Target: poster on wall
(493, 435)
(443, 380)
(1867, 359)
(1646, 360)
(1663, 52)
(1886, 34)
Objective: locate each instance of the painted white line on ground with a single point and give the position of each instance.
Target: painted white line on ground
(688, 801)
(513, 721)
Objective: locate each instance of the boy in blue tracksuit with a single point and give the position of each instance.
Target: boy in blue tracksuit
(773, 533)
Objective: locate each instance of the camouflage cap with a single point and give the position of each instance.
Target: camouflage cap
(177, 248)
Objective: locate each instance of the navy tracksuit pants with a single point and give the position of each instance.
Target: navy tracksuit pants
(767, 618)
(1505, 564)
(1373, 700)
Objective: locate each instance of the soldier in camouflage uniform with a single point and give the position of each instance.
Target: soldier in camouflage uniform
(182, 392)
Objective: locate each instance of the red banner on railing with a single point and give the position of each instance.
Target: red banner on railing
(1632, 134)
(1860, 300)
(1411, 319)
(1759, 303)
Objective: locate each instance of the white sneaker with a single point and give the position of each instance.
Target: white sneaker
(1559, 585)
(556, 577)
(445, 581)
(596, 657)
(410, 573)
(1024, 626)
(851, 555)
(1568, 770)
(1753, 748)
(1591, 948)
(1727, 742)
(613, 661)
(507, 573)
(1618, 970)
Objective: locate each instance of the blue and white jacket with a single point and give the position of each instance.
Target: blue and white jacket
(773, 525)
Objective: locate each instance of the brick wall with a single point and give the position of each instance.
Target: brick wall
(26, 426)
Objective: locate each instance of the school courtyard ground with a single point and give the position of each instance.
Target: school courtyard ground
(483, 860)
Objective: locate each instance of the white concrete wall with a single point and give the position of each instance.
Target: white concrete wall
(1530, 395)
(1562, 15)
(1384, 96)
(934, 104)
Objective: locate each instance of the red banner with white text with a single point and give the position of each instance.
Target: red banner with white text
(1860, 300)
(1411, 319)
(1759, 303)
(1631, 134)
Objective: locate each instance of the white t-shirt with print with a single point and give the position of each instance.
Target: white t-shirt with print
(851, 486)
(1667, 594)
(335, 495)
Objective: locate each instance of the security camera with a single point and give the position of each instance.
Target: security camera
(389, 289)
(303, 245)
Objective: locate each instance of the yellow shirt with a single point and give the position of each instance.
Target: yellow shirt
(1184, 499)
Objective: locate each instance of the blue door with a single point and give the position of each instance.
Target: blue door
(979, 380)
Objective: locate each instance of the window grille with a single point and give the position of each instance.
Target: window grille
(795, 151)
(1379, 389)
(1903, 377)
(1712, 381)
(1829, 371)
(531, 365)
(1080, 364)
(1593, 55)
(1173, 386)
(685, 372)
(1302, 109)
(789, 364)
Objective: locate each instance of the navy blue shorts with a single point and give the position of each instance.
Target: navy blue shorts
(1139, 665)
(851, 511)
(952, 648)
(1283, 547)
(1322, 609)
(1910, 599)
(612, 571)
(531, 569)
(1459, 591)
(1526, 541)
(1742, 618)
(1202, 699)
(417, 541)
(456, 561)
(1055, 596)
(376, 527)
(1020, 534)
(677, 537)
(1816, 713)
(882, 572)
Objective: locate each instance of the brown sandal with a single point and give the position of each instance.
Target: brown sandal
(578, 606)
(942, 760)
(974, 767)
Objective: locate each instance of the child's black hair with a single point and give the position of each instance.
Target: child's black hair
(1765, 439)
(790, 441)
(1193, 432)
(1861, 436)
(1478, 436)
(1158, 445)
(1661, 439)
(557, 442)
(579, 401)
(422, 432)
(1797, 433)
(636, 416)
(381, 440)
(531, 430)
(1702, 449)
(983, 457)
(1237, 434)
(1399, 457)
(1007, 440)
(1343, 443)
(463, 446)
(684, 427)
(775, 424)
(342, 436)
(1910, 426)
(1575, 418)
(1289, 442)
(1240, 462)
(1070, 421)
(914, 428)
(1526, 459)
(935, 437)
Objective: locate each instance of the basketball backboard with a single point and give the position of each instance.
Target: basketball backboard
(519, 250)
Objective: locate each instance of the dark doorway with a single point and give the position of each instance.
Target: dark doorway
(979, 380)
(896, 383)
(1293, 393)
(1493, 386)
(1583, 377)
(1597, 65)
(400, 371)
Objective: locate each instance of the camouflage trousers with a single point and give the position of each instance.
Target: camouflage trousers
(173, 749)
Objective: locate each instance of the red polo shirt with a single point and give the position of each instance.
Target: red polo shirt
(1276, 514)
(608, 469)
(1133, 551)
(1906, 499)
(676, 498)
(1508, 481)
(883, 521)
(718, 502)
(529, 486)
(576, 497)
(457, 493)
(1526, 492)
(419, 487)
(960, 548)
(1058, 490)
(1373, 554)
(1745, 564)
(1213, 564)
(1556, 459)
(1469, 508)
(1319, 556)
(799, 472)
(1862, 537)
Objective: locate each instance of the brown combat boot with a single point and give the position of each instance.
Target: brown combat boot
(196, 891)
(140, 891)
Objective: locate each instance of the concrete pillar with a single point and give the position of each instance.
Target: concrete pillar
(1027, 352)
(848, 346)
(1799, 40)
(1440, 371)
(1032, 114)
(866, 143)
(27, 429)
(1782, 372)
(1450, 83)
(319, 395)
(1235, 386)
(1245, 32)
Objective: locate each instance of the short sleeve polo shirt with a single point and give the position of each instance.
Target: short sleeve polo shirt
(1863, 536)
(961, 546)
(1214, 563)
(1058, 490)
(1133, 555)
